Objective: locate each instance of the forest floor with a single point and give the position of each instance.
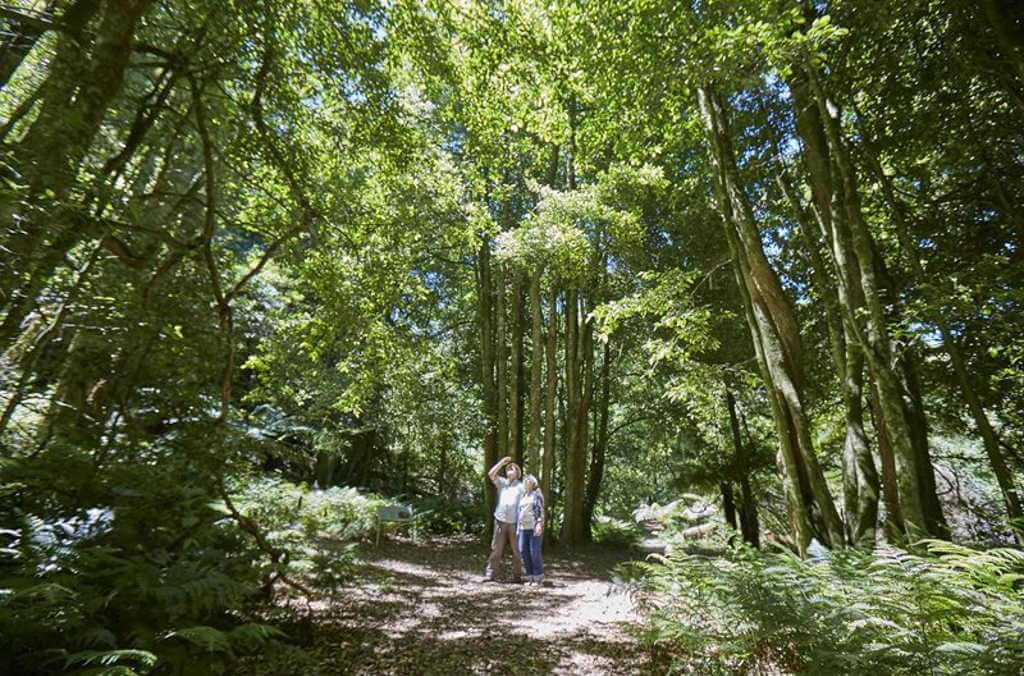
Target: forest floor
(423, 608)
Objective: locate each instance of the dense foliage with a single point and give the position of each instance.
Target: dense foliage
(952, 610)
(266, 266)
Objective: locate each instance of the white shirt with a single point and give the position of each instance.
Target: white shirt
(508, 499)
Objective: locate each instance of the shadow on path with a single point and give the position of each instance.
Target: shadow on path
(425, 610)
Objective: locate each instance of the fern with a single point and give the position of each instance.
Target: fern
(953, 610)
(254, 635)
(205, 638)
(111, 658)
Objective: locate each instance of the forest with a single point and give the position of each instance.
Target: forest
(741, 277)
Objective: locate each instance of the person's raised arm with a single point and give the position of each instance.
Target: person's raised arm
(492, 473)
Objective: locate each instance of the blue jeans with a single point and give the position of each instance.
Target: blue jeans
(529, 547)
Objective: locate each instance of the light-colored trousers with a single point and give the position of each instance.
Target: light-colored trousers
(504, 532)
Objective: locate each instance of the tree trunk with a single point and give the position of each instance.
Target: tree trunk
(905, 424)
(860, 478)
(501, 360)
(572, 531)
(748, 508)
(485, 321)
(78, 92)
(533, 454)
(550, 403)
(596, 474)
(988, 434)
(515, 389)
(776, 338)
(325, 465)
(728, 504)
(894, 524)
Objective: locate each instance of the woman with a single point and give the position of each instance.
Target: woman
(530, 527)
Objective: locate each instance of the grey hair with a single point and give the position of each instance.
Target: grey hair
(530, 477)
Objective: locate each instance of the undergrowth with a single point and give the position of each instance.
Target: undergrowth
(161, 582)
(951, 610)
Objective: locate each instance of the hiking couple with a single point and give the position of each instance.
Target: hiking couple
(518, 519)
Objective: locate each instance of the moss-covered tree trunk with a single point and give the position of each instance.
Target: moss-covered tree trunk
(989, 436)
(749, 527)
(775, 336)
(858, 267)
(843, 302)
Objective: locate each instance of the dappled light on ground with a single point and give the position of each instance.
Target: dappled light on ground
(426, 609)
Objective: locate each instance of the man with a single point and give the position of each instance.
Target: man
(505, 514)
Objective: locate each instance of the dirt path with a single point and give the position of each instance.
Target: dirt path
(426, 610)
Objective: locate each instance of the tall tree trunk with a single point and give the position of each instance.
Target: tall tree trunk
(579, 386)
(550, 403)
(571, 525)
(485, 321)
(533, 454)
(989, 437)
(894, 524)
(596, 474)
(748, 507)
(545, 458)
(776, 338)
(515, 389)
(898, 406)
(860, 478)
(501, 359)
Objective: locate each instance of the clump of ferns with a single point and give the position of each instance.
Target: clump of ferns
(947, 609)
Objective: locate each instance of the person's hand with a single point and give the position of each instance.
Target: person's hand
(506, 460)
(538, 530)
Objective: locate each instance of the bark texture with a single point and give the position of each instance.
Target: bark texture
(775, 336)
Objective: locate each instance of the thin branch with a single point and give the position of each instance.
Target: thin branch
(271, 250)
(278, 557)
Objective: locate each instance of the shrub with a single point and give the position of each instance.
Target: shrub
(441, 516)
(615, 532)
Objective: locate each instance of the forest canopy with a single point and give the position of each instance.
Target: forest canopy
(268, 263)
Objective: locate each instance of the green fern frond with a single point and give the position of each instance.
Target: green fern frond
(253, 635)
(111, 658)
(97, 637)
(48, 592)
(206, 638)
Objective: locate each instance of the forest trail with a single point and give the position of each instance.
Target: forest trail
(427, 610)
